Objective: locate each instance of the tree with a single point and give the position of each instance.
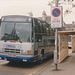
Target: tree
(52, 2)
(68, 4)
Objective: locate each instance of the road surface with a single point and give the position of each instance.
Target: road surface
(8, 68)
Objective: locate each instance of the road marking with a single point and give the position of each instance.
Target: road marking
(3, 62)
(45, 66)
(30, 74)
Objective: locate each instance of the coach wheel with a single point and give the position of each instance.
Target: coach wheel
(40, 60)
(42, 57)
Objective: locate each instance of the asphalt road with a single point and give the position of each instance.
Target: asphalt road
(17, 68)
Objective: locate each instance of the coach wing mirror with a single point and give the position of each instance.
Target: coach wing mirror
(32, 39)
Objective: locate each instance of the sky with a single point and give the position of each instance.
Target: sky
(23, 7)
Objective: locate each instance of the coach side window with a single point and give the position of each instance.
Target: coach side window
(38, 37)
(37, 27)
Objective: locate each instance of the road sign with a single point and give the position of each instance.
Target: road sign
(56, 12)
(56, 17)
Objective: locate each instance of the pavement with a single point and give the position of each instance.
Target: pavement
(67, 67)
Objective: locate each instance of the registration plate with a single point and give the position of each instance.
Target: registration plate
(10, 46)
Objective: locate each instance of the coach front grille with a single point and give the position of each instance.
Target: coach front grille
(7, 50)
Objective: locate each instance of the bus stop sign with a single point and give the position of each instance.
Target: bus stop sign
(56, 17)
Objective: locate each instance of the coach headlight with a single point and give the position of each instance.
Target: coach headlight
(1, 50)
(23, 52)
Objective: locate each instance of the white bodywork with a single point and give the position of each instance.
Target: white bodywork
(17, 48)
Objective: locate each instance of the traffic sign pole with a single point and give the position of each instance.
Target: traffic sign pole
(56, 50)
(56, 22)
(56, 3)
(56, 45)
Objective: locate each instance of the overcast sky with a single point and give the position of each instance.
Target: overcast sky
(23, 7)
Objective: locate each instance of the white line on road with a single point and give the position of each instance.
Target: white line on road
(3, 62)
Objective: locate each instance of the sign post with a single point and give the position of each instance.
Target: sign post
(56, 22)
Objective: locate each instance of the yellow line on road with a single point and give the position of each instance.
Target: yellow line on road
(30, 74)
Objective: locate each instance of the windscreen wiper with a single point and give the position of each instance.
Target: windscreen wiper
(5, 37)
(12, 36)
(15, 35)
